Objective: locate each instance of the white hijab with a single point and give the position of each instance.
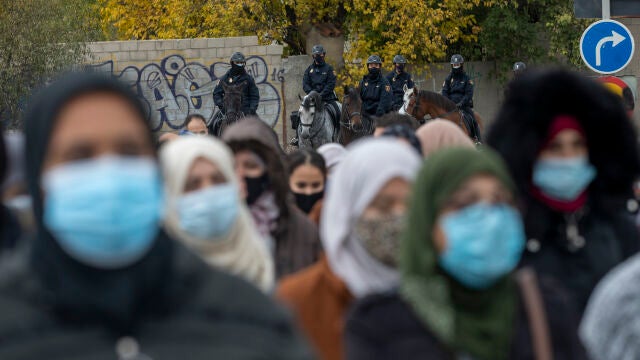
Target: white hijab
(367, 167)
(242, 252)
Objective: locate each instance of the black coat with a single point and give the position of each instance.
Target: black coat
(250, 94)
(609, 235)
(375, 93)
(398, 81)
(200, 313)
(459, 89)
(320, 78)
(386, 327)
(518, 134)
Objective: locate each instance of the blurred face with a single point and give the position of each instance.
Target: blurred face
(95, 125)
(373, 66)
(378, 131)
(567, 143)
(479, 188)
(390, 200)
(203, 174)
(248, 164)
(198, 127)
(306, 179)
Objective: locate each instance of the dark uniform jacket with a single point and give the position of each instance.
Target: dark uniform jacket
(398, 81)
(459, 89)
(250, 94)
(320, 78)
(384, 326)
(376, 95)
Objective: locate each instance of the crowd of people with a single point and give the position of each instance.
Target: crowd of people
(410, 243)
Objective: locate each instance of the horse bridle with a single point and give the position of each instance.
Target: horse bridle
(324, 118)
(349, 124)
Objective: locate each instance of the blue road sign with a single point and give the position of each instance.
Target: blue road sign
(606, 46)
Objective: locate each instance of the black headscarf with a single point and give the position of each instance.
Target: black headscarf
(78, 293)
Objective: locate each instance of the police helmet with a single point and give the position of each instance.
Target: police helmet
(519, 66)
(399, 59)
(374, 59)
(317, 49)
(457, 59)
(237, 57)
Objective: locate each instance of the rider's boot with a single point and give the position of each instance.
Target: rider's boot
(294, 141)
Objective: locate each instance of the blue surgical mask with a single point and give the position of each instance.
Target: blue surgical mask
(210, 213)
(563, 179)
(484, 243)
(104, 212)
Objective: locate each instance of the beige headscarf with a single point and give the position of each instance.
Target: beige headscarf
(242, 252)
(439, 134)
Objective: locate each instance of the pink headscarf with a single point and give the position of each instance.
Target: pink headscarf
(438, 134)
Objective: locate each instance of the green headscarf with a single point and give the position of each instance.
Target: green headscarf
(479, 323)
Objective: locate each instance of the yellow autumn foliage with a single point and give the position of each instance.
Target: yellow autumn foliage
(421, 30)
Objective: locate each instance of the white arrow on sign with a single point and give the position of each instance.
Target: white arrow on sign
(615, 38)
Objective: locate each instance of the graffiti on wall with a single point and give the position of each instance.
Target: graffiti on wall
(174, 88)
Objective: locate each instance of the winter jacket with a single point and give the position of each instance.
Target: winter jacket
(376, 95)
(250, 93)
(384, 326)
(199, 313)
(322, 79)
(319, 300)
(398, 82)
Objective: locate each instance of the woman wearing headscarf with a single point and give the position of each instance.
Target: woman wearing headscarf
(102, 280)
(458, 298)
(439, 134)
(362, 217)
(260, 162)
(573, 155)
(204, 209)
(404, 133)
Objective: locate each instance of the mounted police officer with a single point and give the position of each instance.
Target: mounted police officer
(458, 87)
(238, 75)
(398, 79)
(321, 77)
(375, 90)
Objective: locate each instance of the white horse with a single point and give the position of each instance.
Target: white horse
(316, 127)
(405, 99)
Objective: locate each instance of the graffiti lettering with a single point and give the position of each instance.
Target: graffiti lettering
(173, 89)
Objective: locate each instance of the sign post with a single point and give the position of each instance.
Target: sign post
(606, 9)
(606, 46)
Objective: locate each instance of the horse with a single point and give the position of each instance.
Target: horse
(316, 127)
(233, 108)
(424, 105)
(353, 124)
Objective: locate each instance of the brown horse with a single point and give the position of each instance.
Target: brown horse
(353, 124)
(424, 105)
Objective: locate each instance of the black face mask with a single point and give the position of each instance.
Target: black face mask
(457, 71)
(319, 59)
(374, 72)
(400, 68)
(306, 202)
(255, 187)
(237, 69)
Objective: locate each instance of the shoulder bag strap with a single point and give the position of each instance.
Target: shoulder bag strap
(536, 313)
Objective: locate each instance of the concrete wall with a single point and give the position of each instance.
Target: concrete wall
(175, 78)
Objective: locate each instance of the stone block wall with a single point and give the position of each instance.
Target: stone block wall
(175, 78)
